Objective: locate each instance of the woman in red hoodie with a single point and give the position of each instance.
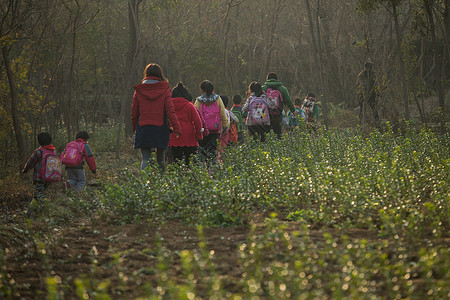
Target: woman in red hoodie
(153, 116)
(190, 122)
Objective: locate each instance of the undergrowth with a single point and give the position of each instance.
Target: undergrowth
(394, 186)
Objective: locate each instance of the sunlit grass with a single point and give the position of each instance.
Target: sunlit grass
(392, 187)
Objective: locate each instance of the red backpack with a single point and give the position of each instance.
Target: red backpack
(51, 168)
(274, 100)
(72, 155)
(211, 114)
(233, 137)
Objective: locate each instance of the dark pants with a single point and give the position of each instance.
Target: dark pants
(160, 158)
(183, 152)
(275, 124)
(39, 188)
(208, 148)
(241, 137)
(77, 178)
(258, 132)
(373, 105)
(38, 198)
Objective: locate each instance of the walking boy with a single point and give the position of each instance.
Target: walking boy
(44, 173)
(311, 109)
(271, 84)
(73, 158)
(237, 111)
(294, 120)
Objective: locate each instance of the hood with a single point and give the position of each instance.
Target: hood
(152, 91)
(208, 99)
(80, 140)
(273, 83)
(180, 103)
(49, 147)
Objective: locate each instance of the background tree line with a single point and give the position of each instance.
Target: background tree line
(72, 63)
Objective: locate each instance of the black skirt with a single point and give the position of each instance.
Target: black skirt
(151, 136)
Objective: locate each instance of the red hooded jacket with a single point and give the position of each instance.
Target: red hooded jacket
(150, 100)
(87, 152)
(190, 122)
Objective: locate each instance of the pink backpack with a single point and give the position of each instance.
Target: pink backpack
(259, 111)
(274, 100)
(51, 168)
(211, 114)
(72, 155)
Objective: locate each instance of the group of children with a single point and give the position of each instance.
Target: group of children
(47, 165)
(164, 118)
(213, 126)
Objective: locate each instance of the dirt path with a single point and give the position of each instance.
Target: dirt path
(73, 251)
(127, 254)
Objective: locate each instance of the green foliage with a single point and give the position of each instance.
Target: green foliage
(393, 187)
(391, 184)
(30, 103)
(7, 283)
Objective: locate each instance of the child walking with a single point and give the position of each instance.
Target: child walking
(43, 175)
(258, 120)
(311, 109)
(153, 116)
(185, 146)
(73, 158)
(231, 120)
(237, 111)
(295, 119)
(213, 112)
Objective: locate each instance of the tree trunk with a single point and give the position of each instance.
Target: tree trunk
(319, 48)
(314, 43)
(131, 57)
(125, 110)
(318, 55)
(439, 58)
(447, 29)
(14, 103)
(272, 29)
(402, 63)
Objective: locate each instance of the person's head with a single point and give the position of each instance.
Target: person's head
(237, 99)
(154, 70)
(82, 135)
(207, 87)
(368, 65)
(272, 75)
(311, 96)
(298, 101)
(224, 100)
(44, 138)
(181, 91)
(255, 88)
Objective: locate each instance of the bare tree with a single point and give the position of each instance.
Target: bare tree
(125, 111)
(14, 13)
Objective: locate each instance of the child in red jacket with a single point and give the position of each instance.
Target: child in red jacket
(35, 163)
(186, 145)
(76, 175)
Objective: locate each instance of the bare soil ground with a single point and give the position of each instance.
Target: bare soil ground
(89, 247)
